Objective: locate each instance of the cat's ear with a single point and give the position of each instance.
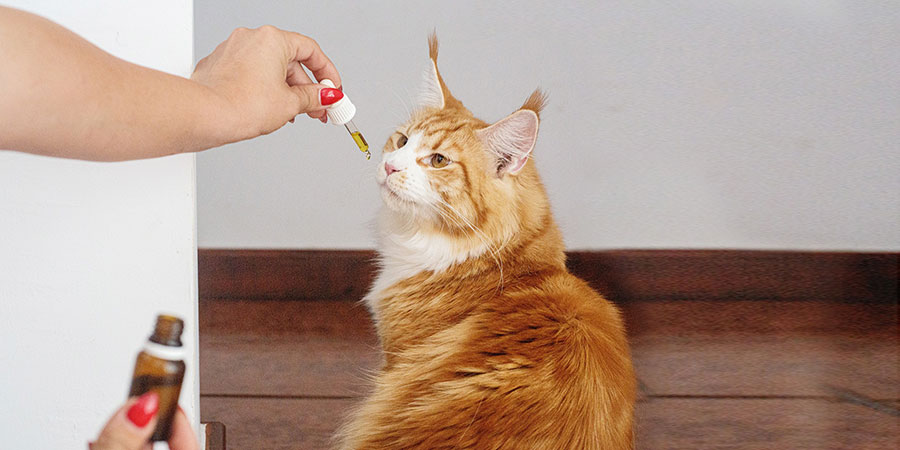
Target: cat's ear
(511, 140)
(434, 93)
(431, 94)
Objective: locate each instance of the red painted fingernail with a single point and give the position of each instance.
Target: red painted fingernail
(328, 96)
(323, 119)
(146, 407)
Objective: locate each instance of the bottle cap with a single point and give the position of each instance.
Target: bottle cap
(341, 111)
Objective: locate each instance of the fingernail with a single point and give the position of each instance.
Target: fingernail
(323, 119)
(328, 96)
(146, 407)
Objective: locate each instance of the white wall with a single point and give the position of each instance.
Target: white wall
(91, 252)
(693, 124)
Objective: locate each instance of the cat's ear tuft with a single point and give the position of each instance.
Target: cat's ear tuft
(435, 93)
(511, 140)
(432, 93)
(536, 102)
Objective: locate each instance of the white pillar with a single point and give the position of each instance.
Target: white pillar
(91, 252)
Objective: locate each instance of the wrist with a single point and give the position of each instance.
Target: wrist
(219, 122)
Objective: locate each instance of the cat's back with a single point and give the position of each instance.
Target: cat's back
(541, 364)
(560, 321)
(554, 353)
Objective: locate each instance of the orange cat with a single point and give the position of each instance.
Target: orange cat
(489, 343)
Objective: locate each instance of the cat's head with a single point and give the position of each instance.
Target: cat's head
(445, 171)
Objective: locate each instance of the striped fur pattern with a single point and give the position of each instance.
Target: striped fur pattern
(488, 342)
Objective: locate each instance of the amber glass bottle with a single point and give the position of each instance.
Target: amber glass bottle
(160, 368)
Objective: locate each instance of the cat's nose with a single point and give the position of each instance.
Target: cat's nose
(389, 169)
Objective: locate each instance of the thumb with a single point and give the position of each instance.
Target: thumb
(182, 437)
(131, 426)
(315, 97)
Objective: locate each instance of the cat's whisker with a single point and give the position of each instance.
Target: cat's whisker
(462, 219)
(446, 216)
(412, 104)
(462, 223)
(403, 103)
(495, 253)
(477, 408)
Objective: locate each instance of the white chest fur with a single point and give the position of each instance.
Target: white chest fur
(405, 251)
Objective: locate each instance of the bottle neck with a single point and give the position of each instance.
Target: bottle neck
(167, 352)
(167, 330)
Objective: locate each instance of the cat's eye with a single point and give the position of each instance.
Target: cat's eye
(438, 160)
(401, 141)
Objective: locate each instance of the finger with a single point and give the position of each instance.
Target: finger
(182, 437)
(307, 52)
(131, 426)
(308, 98)
(296, 75)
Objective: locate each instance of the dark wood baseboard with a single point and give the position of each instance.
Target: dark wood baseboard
(623, 275)
(215, 435)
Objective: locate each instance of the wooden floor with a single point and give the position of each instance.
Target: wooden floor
(715, 374)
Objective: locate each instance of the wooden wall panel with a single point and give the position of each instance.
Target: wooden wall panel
(623, 275)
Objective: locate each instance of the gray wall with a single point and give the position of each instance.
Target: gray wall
(696, 124)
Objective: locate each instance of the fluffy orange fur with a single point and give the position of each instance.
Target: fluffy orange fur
(503, 348)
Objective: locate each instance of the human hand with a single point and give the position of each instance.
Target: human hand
(132, 425)
(260, 73)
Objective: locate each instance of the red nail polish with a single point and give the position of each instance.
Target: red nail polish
(146, 407)
(328, 96)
